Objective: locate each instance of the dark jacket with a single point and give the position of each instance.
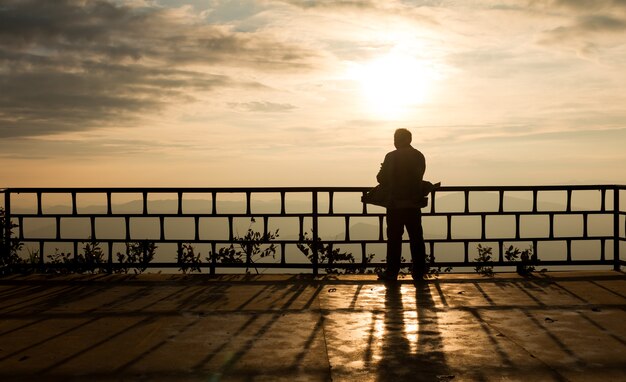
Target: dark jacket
(401, 174)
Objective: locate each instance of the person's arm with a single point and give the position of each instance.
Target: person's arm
(385, 171)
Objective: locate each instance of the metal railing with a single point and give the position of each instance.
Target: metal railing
(609, 206)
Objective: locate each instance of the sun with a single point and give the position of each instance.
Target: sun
(394, 84)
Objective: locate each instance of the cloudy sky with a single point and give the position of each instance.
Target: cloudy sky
(304, 92)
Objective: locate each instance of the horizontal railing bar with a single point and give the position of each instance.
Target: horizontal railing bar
(165, 190)
(305, 214)
(297, 241)
(192, 215)
(294, 189)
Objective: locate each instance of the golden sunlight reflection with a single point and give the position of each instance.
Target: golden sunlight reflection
(378, 325)
(411, 329)
(392, 85)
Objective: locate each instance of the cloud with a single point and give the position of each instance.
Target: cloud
(264, 107)
(590, 24)
(358, 4)
(587, 33)
(52, 95)
(588, 27)
(105, 29)
(379, 8)
(580, 5)
(71, 65)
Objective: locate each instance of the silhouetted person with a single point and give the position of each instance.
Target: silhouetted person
(401, 175)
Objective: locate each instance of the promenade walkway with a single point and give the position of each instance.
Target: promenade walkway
(555, 326)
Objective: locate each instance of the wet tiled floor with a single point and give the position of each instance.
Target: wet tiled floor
(550, 327)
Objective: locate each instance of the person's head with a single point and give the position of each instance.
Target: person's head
(402, 138)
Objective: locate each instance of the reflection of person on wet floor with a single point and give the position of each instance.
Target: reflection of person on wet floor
(401, 175)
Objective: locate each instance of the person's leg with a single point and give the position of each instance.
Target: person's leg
(395, 229)
(416, 237)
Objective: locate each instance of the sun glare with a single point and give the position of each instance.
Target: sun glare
(394, 84)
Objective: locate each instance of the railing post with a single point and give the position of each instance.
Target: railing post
(110, 257)
(213, 260)
(616, 234)
(315, 234)
(6, 248)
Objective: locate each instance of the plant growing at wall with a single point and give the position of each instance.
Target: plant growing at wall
(226, 255)
(431, 270)
(61, 262)
(188, 260)
(138, 255)
(484, 256)
(247, 248)
(32, 261)
(90, 260)
(527, 258)
(10, 260)
(329, 255)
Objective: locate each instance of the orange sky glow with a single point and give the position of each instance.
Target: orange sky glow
(308, 93)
